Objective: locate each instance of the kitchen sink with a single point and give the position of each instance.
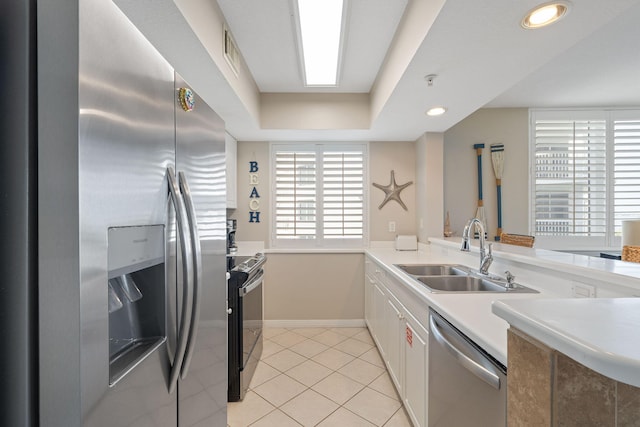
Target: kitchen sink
(468, 284)
(445, 278)
(434, 269)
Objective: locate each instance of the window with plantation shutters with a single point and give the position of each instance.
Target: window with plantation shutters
(319, 195)
(570, 177)
(585, 176)
(626, 168)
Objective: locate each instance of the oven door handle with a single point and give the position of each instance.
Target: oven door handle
(471, 365)
(196, 254)
(185, 250)
(257, 281)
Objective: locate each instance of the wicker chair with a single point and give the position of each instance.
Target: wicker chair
(631, 253)
(517, 239)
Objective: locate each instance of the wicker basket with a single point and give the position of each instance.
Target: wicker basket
(631, 253)
(517, 239)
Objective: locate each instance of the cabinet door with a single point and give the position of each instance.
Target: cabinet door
(393, 324)
(379, 302)
(416, 341)
(368, 301)
(231, 156)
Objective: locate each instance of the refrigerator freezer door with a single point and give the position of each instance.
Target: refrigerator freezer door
(126, 142)
(200, 162)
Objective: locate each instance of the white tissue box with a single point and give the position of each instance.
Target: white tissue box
(406, 243)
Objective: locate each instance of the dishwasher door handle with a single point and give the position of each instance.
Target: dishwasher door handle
(468, 363)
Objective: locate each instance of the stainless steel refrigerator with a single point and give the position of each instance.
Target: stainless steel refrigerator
(114, 298)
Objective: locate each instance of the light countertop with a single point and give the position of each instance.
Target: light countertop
(602, 334)
(248, 248)
(580, 266)
(469, 312)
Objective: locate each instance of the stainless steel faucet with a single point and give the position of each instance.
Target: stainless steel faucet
(511, 280)
(486, 258)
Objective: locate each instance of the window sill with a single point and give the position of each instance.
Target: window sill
(315, 251)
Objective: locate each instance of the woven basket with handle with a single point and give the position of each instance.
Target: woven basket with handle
(517, 239)
(631, 253)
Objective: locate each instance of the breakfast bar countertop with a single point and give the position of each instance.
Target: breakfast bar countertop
(603, 334)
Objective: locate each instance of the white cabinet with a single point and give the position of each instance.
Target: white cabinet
(379, 331)
(375, 301)
(401, 339)
(416, 363)
(368, 292)
(368, 300)
(393, 325)
(231, 156)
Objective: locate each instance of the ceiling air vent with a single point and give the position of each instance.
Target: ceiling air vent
(231, 53)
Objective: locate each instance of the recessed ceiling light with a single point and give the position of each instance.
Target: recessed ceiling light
(320, 25)
(436, 111)
(545, 14)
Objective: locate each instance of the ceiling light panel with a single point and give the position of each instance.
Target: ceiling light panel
(320, 23)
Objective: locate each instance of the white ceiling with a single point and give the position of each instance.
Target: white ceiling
(482, 56)
(600, 70)
(264, 31)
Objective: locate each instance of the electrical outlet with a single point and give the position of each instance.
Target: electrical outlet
(582, 290)
(392, 226)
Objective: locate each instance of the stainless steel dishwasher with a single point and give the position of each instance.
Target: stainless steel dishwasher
(467, 387)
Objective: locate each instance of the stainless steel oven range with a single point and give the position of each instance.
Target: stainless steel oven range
(245, 322)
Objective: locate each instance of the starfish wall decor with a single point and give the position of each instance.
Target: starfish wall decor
(392, 191)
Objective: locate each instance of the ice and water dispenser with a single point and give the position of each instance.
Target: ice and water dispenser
(136, 294)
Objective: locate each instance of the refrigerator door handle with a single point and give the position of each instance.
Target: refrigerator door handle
(196, 253)
(185, 250)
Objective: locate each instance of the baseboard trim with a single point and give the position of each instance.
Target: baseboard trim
(316, 323)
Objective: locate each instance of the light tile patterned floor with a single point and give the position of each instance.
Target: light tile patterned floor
(326, 377)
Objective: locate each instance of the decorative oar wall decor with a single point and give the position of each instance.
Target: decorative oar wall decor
(497, 159)
(480, 210)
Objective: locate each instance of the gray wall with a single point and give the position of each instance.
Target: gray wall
(384, 157)
(429, 185)
(314, 287)
(488, 126)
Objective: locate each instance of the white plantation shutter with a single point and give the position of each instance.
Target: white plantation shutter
(296, 187)
(570, 180)
(626, 169)
(343, 194)
(586, 179)
(320, 193)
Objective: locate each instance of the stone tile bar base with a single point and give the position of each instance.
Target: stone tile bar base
(547, 388)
